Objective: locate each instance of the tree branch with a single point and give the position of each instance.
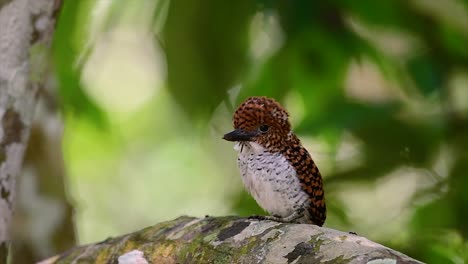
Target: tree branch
(233, 240)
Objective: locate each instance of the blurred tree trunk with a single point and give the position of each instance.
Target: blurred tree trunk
(26, 28)
(43, 224)
(232, 240)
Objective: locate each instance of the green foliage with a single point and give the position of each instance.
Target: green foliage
(205, 47)
(68, 45)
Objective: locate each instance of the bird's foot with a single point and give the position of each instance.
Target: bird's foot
(257, 217)
(277, 218)
(299, 213)
(266, 217)
(288, 219)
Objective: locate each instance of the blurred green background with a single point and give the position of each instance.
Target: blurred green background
(377, 91)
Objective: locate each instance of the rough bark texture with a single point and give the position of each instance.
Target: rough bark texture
(26, 28)
(42, 223)
(233, 240)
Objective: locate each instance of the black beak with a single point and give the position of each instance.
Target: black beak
(239, 135)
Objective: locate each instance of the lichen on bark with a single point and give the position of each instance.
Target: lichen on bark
(234, 240)
(18, 93)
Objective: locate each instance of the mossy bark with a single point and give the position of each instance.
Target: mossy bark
(233, 240)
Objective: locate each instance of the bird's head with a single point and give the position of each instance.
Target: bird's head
(261, 120)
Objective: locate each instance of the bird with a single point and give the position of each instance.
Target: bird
(275, 168)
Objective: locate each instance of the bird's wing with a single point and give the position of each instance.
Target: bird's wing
(311, 181)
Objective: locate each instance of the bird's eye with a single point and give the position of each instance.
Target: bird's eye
(263, 128)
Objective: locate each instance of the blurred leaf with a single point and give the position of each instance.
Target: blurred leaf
(387, 142)
(206, 48)
(66, 51)
(457, 197)
(404, 143)
(316, 70)
(440, 246)
(426, 74)
(427, 217)
(302, 15)
(383, 13)
(274, 79)
(363, 173)
(342, 114)
(454, 41)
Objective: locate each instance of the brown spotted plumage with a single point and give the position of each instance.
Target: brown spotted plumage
(276, 169)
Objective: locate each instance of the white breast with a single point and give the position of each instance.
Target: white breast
(270, 179)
